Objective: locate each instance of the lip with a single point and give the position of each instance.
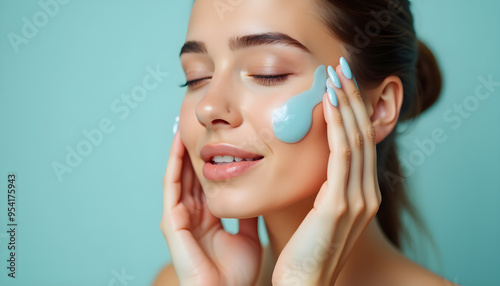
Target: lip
(228, 170)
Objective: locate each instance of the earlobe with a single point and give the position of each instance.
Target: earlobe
(386, 105)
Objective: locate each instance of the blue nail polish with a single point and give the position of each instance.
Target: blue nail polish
(176, 125)
(346, 70)
(332, 96)
(327, 83)
(334, 77)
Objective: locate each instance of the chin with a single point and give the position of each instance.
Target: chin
(226, 201)
(236, 212)
(231, 202)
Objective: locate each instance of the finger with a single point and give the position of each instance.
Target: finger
(183, 247)
(355, 138)
(185, 252)
(339, 158)
(369, 171)
(178, 241)
(368, 132)
(172, 178)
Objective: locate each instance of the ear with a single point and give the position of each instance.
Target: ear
(386, 100)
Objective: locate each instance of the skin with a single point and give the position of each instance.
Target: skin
(318, 196)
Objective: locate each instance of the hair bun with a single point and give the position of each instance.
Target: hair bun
(429, 81)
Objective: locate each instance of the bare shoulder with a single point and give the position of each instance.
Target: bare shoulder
(423, 276)
(411, 273)
(166, 276)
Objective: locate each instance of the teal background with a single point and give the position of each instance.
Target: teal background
(101, 221)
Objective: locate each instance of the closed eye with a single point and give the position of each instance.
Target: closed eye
(266, 80)
(193, 82)
(269, 80)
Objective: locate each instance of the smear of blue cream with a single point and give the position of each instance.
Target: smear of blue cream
(293, 119)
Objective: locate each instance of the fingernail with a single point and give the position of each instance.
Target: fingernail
(346, 70)
(331, 95)
(334, 77)
(176, 125)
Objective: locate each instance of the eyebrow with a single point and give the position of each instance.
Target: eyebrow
(193, 47)
(247, 41)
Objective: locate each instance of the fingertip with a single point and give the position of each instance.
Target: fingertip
(328, 108)
(332, 96)
(178, 141)
(346, 69)
(326, 104)
(177, 135)
(341, 75)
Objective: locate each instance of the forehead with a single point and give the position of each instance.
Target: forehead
(215, 21)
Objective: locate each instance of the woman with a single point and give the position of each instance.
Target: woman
(330, 199)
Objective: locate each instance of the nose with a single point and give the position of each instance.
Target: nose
(219, 106)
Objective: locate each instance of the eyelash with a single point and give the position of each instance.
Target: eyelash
(193, 82)
(266, 80)
(269, 80)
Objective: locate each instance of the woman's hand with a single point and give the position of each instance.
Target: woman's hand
(346, 202)
(203, 253)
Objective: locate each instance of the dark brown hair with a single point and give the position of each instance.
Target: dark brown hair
(380, 41)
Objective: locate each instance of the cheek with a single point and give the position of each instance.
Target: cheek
(301, 167)
(257, 112)
(191, 131)
(315, 145)
(187, 124)
(313, 154)
(292, 121)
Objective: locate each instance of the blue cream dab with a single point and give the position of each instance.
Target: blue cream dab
(292, 120)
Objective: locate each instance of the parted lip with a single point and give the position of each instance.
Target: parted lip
(209, 151)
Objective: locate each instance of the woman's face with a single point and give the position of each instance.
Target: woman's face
(248, 58)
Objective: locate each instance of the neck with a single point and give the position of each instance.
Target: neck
(282, 224)
(365, 255)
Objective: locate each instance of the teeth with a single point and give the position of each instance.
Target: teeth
(227, 159)
(223, 159)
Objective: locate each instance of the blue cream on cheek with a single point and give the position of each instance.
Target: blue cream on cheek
(293, 119)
